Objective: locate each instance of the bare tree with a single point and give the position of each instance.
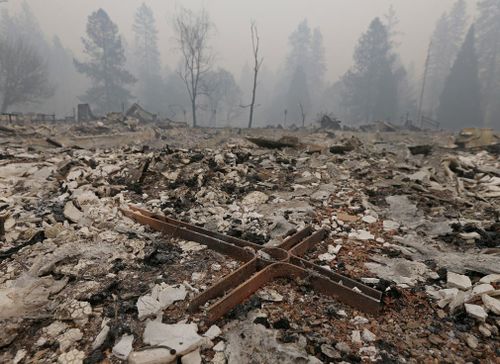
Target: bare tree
(256, 68)
(193, 34)
(23, 74)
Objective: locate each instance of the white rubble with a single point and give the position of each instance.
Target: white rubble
(193, 357)
(220, 346)
(369, 219)
(490, 278)
(213, 332)
(361, 235)
(356, 337)
(72, 213)
(476, 311)
(151, 356)
(101, 337)
(482, 289)
(459, 281)
(69, 338)
(161, 297)
(271, 295)
(390, 225)
(491, 304)
(123, 347)
(71, 357)
(181, 337)
(255, 198)
(368, 336)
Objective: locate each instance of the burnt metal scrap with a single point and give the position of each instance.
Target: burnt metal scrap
(261, 265)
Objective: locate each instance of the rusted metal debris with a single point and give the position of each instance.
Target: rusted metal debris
(261, 265)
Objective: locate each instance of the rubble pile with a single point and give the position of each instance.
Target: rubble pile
(81, 283)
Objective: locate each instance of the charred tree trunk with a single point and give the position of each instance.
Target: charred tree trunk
(257, 65)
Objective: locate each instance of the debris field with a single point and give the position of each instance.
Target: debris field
(405, 214)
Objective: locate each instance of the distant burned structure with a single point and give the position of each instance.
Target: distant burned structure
(85, 113)
(137, 111)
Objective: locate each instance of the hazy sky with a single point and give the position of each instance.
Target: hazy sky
(341, 22)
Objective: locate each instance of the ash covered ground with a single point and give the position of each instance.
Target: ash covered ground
(80, 282)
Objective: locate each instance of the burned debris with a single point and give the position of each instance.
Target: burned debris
(156, 245)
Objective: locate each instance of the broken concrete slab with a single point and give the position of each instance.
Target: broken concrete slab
(459, 281)
(181, 337)
(475, 311)
(491, 304)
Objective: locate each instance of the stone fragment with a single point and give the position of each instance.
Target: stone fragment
(390, 225)
(70, 337)
(78, 311)
(359, 320)
(255, 198)
(181, 337)
(20, 355)
(151, 356)
(271, 295)
(326, 257)
(459, 281)
(482, 289)
(458, 301)
(193, 357)
(55, 328)
(161, 297)
(491, 304)
(369, 219)
(330, 352)
(219, 358)
(343, 347)
(476, 311)
(213, 332)
(490, 278)
(369, 351)
(368, 280)
(346, 217)
(356, 337)
(71, 213)
(447, 295)
(471, 341)
(368, 336)
(71, 357)
(361, 235)
(123, 348)
(220, 346)
(99, 339)
(485, 331)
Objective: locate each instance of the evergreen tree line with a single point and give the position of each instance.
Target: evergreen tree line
(461, 85)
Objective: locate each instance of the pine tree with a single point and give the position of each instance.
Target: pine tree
(460, 103)
(148, 58)
(488, 46)
(446, 41)
(105, 68)
(370, 86)
(317, 63)
(300, 49)
(306, 57)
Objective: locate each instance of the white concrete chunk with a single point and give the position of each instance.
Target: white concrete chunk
(482, 289)
(491, 304)
(476, 312)
(490, 278)
(213, 332)
(459, 281)
(151, 356)
(193, 357)
(123, 348)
